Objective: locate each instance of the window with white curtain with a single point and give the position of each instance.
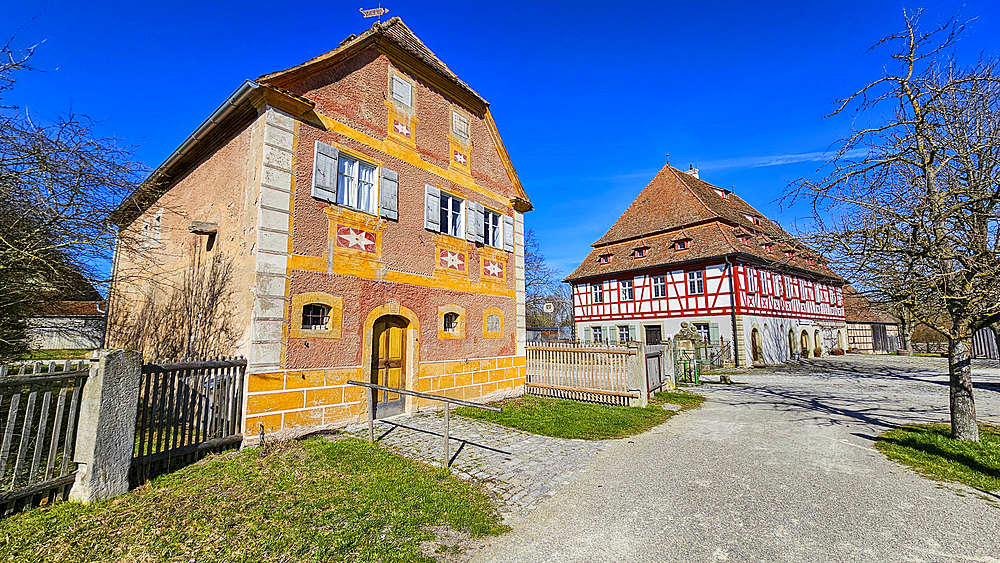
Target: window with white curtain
(492, 229)
(451, 215)
(356, 186)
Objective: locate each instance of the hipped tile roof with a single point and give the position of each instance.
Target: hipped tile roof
(676, 206)
(860, 309)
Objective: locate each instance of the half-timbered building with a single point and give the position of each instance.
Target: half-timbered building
(688, 251)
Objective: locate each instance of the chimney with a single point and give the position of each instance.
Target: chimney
(692, 171)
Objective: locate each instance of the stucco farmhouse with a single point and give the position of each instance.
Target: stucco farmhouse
(353, 217)
(688, 251)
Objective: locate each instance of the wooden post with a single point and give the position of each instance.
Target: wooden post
(371, 415)
(447, 432)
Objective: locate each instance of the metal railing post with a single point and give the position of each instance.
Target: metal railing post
(371, 415)
(447, 432)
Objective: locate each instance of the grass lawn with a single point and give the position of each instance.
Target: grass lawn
(562, 418)
(930, 450)
(314, 500)
(56, 355)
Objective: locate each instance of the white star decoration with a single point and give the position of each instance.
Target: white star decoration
(451, 259)
(493, 269)
(354, 239)
(460, 158)
(402, 129)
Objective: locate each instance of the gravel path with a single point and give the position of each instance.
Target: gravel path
(518, 469)
(778, 469)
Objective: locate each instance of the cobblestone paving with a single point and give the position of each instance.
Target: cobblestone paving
(519, 469)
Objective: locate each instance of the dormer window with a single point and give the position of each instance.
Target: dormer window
(810, 261)
(721, 193)
(752, 218)
(604, 259)
(745, 239)
(768, 247)
(682, 244)
(790, 254)
(640, 252)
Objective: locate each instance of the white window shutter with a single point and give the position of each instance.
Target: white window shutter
(401, 91)
(432, 208)
(389, 194)
(473, 222)
(713, 333)
(631, 333)
(325, 172)
(508, 233)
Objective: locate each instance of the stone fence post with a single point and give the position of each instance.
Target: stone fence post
(635, 378)
(106, 433)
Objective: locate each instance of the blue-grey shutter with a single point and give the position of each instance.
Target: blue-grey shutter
(389, 194)
(508, 233)
(587, 335)
(473, 222)
(631, 333)
(713, 333)
(325, 172)
(432, 208)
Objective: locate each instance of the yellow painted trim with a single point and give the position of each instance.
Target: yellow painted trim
(459, 333)
(497, 255)
(408, 119)
(486, 315)
(333, 325)
(337, 215)
(412, 157)
(491, 126)
(357, 266)
(453, 163)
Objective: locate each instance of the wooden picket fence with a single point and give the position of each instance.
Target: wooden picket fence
(188, 408)
(582, 372)
(39, 410)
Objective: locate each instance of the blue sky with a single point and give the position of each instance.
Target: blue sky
(588, 96)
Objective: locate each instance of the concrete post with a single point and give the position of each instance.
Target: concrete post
(106, 434)
(635, 379)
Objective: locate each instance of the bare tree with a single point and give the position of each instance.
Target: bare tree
(59, 180)
(910, 211)
(539, 281)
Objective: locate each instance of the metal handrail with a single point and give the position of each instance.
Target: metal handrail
(447, 411)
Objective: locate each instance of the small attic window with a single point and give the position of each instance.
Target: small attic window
(640, 252)
(604, 259)
(402, 90)
(682, 244)
(721, 193)
(790, 254)
(752, 218)
(768, 247)
(810, 261)
(744, 238)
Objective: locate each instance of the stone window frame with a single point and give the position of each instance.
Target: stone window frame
(459, 332)
(487, 333)
(335, 315)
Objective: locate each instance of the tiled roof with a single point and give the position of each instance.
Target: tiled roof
(675, 206)
(394, 30)
(74, 309)
(859, 309)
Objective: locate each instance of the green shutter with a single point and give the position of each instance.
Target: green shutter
(587, 335)
(713, 333)
(631, 333)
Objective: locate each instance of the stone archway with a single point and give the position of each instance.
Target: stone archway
(411, 342)
(804, 344)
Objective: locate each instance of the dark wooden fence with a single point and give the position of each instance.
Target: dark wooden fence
(188, 409)
(39, 411)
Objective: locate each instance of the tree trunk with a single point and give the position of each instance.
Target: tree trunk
(963, 408)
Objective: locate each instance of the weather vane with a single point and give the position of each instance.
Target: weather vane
(375, 12)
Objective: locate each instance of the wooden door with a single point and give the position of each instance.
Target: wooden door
(388, 364)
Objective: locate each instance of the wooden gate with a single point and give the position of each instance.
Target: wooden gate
(188, 409)
(592, 373)
(39, 410)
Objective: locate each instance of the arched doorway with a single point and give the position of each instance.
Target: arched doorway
(388, 364)
(791, 343)
(805, 344)
(756, 352)
(817, 344)
(840, 340)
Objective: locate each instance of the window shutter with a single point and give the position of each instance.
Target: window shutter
(325, 172)
(389, 194)
(508, 233)
(631, 333)
(432, 208)
(587, 335)
(613, 335)
(474, 222)
(713, 333)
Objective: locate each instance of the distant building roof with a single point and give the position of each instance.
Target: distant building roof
(679, 206)
(74, 309)
(859, 309)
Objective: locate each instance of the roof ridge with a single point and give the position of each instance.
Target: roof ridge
(695, 194)
(725, 236)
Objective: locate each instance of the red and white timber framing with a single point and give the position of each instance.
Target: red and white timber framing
(758, 291)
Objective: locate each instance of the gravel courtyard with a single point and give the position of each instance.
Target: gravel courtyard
(780, 468)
